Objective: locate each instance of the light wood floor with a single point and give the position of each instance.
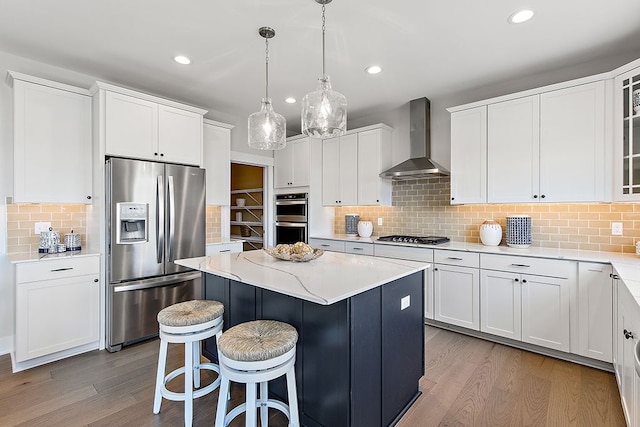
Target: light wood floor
(468, 382)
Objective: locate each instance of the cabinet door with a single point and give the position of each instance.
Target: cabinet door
(56, 315)
(469, 156)
(513, 150)
(374, 156)
(179, 136)
(52, 145)
(300, 163)
(626, 137)
(283, 167)
(217, 162)
(501, 297)
(131, 127)
(545, 312)
(330, 171)
(628, 334)
(348, 177)
(457, 296)
(595, 311)
(572, 148)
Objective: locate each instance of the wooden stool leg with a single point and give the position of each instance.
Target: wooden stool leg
(294, 420)
(250, 414)
(264, 409)
(162, 361)
(221, 411)
(188, 385)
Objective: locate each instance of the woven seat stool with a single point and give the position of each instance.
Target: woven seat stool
(187, 323)
(254, 353)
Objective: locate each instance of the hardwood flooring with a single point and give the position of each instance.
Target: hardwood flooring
(467, 382)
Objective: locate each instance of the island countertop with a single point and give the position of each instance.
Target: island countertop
(326, 280)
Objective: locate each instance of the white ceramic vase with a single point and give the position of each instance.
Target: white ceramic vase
(365, 228)
(490, 233)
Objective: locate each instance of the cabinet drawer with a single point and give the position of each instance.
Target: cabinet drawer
(404, 252)
(359, 248)
(527, 265)
(328, 245)
(462, 258)
(47, 269)
(219, 248)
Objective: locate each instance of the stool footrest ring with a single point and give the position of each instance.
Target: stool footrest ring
(176, 396)
(270, 403)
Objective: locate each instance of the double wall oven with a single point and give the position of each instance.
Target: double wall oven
(292, 218)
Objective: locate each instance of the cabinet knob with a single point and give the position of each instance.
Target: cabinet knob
(535, 196)
(524, 280)
(516, 279)
(377, 201)
(453, 198)
(628, 334)
(88, 197)
(435, 269)
(543, 196)
(155, 154)
(161, 154)
(95, 280)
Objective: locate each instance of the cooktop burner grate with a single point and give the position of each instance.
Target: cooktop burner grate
(420, 240)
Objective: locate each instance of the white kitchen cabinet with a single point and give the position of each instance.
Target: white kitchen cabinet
(527, 299)
(351, 165)
(217, 162)
(220, 248)
(141, 126)
(358, 248)
(52, 141)
(512, 150)
(57, 308)
(339, 171)
(469, 156)
(457, 288)
(628, 338)
(327, 244)
(595, 311)
(626, 135)
(292, 163)
(374, 156)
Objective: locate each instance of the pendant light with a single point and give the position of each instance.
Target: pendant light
(267, 129)
(324, 111)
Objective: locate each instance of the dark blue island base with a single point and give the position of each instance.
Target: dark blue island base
(359, 360)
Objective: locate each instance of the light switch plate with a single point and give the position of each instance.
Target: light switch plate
(41, 226)
(405, 302)
(379, 221)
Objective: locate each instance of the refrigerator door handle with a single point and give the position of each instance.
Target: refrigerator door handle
(172, 217)
(160, 219)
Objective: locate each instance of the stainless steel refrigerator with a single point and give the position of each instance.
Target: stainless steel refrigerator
(155, 215)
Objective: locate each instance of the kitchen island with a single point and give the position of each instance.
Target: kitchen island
(360, 322)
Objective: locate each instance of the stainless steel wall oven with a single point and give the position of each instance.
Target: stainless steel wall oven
(291, 218)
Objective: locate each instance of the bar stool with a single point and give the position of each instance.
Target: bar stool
(254, 353)
(188, 323)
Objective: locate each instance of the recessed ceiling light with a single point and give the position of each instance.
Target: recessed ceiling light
(181, 59)
(373, 69)
(520, 16)
(290, 100)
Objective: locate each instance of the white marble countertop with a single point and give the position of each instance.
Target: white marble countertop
(326, 280)
(36, 256)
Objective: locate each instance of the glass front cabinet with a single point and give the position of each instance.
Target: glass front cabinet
(627, 134)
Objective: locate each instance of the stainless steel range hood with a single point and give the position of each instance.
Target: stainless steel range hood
(420, 164)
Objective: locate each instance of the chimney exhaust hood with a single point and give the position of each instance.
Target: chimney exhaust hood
(420, 164)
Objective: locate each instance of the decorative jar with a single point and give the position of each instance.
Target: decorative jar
(365, 228)
(490, 233)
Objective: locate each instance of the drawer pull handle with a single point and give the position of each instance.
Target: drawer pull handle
(225, 250)
(615, 276)
(358, 249)
(325, 245)
(63, 269)
(628, 334)
(454, 258)
(520, 265)
(595, 270)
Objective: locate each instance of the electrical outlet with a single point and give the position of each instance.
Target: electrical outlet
(379, 221)
(405, 302)
(41, 226)
(616, 229)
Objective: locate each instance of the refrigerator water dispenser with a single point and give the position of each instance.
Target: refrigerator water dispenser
(132, 223)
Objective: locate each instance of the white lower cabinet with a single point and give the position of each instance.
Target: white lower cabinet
(628, 342)
(521, 299)
(595, 311)
(57, 306)
(456, 284)
(358, 248)
(220, 248)
(328, 244)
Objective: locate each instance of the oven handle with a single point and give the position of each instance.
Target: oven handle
(291, 202)
(291, 224)
(155, 282)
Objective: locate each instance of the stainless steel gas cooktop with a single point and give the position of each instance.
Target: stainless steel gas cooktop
(416, 240)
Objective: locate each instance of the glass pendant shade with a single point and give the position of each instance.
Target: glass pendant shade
(267, 129)
(324, 111)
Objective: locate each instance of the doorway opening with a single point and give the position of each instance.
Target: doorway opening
(247, 205)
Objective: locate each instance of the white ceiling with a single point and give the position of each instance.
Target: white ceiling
(426, 48)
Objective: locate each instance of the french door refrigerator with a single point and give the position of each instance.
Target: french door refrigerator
(155, 215)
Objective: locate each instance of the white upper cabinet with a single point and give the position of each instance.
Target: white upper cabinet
(142, 126)
(469, 156)
(512, 150)
(291, 164)
(543, 145)
(52, 141)
(217, 162)
(351, 165)
(627, 135)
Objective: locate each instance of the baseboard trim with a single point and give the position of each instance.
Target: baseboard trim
(6, 344)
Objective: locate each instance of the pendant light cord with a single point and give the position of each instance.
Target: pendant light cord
(266, 66)
(323, 30)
